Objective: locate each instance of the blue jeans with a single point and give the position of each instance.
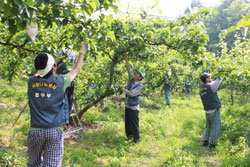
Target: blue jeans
(167, 96)
(213, 124)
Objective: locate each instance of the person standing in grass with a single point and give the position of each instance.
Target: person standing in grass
(49, 110)
(211, 104)
(188, 87)
(167, 88)
(132, 102)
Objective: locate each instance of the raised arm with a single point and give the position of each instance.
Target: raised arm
(73, 73)
(126, 58)
(215, 84)
(130, 74)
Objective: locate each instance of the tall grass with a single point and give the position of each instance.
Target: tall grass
(170, 136)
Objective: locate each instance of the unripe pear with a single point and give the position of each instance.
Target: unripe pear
(32, 31)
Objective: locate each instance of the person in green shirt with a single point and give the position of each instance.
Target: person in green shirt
(49, 110)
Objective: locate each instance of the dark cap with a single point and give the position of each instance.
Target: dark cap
(204, 75)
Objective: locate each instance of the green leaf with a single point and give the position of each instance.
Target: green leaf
(46, 3)
(109, 19)
(49, 23)
(7, 11)
(12, 26)
(97, 3)
(244, 22)
(29, 2)
(114, 8)
(106, 7)
(111, 35)
(231, 29)
(79, 28)
(55, 12)
(92, 6)
(65, 21)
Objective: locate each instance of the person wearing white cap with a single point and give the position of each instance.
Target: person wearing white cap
(49, 110)
(133, 93)
(211, 104)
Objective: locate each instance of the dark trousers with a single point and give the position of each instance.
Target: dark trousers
(132, 124)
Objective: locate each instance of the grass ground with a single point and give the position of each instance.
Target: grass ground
(170, 136)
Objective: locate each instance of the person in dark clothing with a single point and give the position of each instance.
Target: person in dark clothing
(167, 88)
(211, 104)
(49, 110)
(66, 62)
(132, 102)
(188, 87)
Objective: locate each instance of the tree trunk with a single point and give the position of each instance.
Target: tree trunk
(111, 78)
(90, 105)
(101, 103)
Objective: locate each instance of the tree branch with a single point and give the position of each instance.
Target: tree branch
(112, 68)
(91, 105)
(107, 92)
(18, 46)
(8, 40)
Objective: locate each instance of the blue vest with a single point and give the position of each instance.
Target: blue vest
(209, 98)
(167, 87)
(133, 101)
(48, 102)
(187, 85)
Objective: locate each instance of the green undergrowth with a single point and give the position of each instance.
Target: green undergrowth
(13, 136)
(170, 136)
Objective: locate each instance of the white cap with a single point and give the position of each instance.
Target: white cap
(46, 70)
